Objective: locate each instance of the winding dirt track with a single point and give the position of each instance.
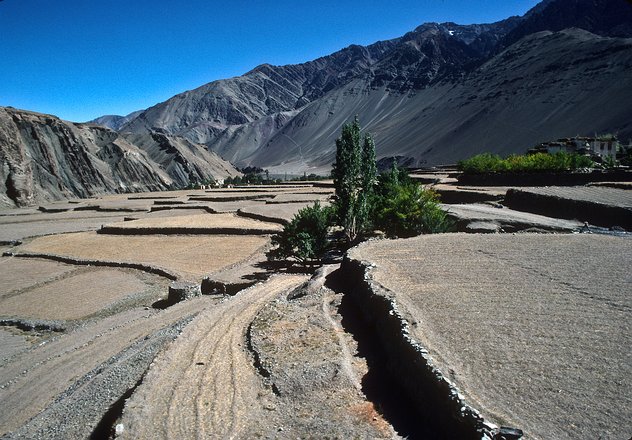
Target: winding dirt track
(205, 385)
(32, 380)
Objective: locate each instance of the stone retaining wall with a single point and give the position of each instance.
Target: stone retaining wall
(115, 230)
(409, 362)
(87, 262)
(598, 214)
(543, 179)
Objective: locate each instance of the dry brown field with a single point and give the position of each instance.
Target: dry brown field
(190, 257)
(82, 293)
(206, 222)
(532, 328)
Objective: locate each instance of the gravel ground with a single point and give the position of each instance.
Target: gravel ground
(279, 213)
(533, 329)
(18, 274)
(20, 227)
(314, 368)
(83, 292)
(472, 216)
(51, 373)
(300, 198)
(77, 412)
(205, 385)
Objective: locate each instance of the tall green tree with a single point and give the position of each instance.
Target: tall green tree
(354, 174)
(368, 180)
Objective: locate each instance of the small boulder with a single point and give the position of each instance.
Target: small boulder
(181, 291)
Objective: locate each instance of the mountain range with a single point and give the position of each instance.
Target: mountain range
(436, 95)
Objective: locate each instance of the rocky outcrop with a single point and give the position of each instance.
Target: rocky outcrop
(545, 86)
(611, 18)
(44, 158)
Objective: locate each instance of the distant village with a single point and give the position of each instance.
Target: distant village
(600, 148)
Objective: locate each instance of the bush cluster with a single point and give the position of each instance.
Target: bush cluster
(530, 163)
(403, 208)
(391, 202)
(305, 237)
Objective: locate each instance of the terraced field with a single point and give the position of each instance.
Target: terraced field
(529, 329)
(533, 329)
(82, 314)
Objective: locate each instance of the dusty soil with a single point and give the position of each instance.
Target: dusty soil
(35, 379)
(206, 385)
(279, 213)
(594, 194)
(81, 293)
(259, 365)
(477, 217)
(313, 366)
(191, 257)
(64, 384)
(18, 227)
(18, 274)
(209, 223)
(508, 319)
(533, 329)
(301, 197)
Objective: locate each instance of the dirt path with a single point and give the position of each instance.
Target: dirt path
(30, 381)
(205, 385)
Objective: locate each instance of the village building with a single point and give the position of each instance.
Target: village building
(597, 147)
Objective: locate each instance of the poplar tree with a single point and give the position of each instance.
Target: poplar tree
(355, 175)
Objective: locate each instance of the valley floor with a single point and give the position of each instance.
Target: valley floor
(531, 328)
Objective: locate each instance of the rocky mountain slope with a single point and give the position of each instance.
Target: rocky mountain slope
(45, 158)
(437, 94)
(546, 86)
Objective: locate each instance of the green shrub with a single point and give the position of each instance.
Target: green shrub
(481, 163)
(537, 162)
(404, 209)
(305, 237)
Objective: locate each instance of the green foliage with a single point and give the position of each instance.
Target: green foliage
(609, 163)
(392, 202)
(538, 162)
(354, 174)
(305, 237)
(368, 180)
(404, 208)
(626, 156)
(481, 163)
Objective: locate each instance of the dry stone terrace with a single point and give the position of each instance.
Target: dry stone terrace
(85, 314)
(76, 286)
(533, 329)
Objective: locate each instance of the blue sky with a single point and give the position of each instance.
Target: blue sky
(79, 59)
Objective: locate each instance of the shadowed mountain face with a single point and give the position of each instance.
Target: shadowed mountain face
(548, 85)
(438, 94)
(45, 158)
(608, 18)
